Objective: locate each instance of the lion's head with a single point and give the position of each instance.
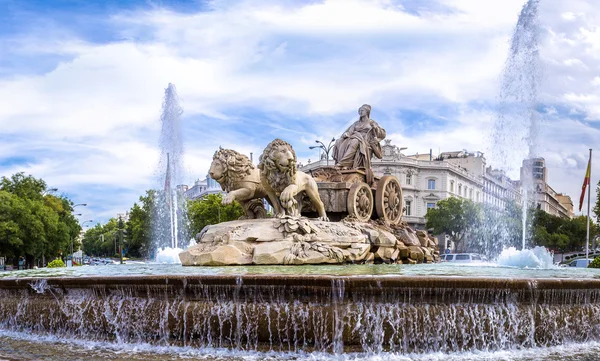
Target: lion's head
(229, 166)
(278, 164)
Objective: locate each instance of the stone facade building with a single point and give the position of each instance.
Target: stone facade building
(535, 174)
(426, 180)
(202, 188)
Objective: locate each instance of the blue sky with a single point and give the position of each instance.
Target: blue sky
(82, 82)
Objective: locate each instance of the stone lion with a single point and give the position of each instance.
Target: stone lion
(282, 181)
(241, 180)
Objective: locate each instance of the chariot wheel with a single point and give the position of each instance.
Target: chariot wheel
(388, 199)
(360, 202)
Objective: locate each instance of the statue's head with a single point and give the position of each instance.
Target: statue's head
(229, 166)
(365, 110)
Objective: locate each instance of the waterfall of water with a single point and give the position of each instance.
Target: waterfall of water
(321, 313)
(169, 224)
(516, 129)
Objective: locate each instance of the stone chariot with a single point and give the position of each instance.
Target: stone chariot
(349, 193)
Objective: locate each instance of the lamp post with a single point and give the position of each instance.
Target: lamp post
(81, 225)
(70, 261)
(121, 225)
(326, 148)
(49, 190)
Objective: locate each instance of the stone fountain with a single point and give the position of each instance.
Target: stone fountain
(336, 215)
(367, 209)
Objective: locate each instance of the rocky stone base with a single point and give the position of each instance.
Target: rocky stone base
(289, 240)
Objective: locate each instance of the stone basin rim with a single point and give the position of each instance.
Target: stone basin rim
(347, 281)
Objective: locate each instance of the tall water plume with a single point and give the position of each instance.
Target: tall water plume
(170, 216)
(515, 134)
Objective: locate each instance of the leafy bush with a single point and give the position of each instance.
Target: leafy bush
(595, 263)
(56, 263)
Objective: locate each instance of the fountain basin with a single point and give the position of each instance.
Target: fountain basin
(305, 312)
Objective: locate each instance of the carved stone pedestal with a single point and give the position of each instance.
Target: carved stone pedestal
(295, 241)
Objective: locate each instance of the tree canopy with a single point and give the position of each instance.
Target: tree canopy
(209, 210)
(455, 217)
(486, 229)
(34, 224)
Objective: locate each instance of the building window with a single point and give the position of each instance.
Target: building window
(477, 196)
(460, 189)
(431, 184)
(451, 186)
(430, 205)
(408, 179)
(471, 193)
(407, 205)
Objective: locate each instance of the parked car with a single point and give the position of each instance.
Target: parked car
(582, 263)
(463, 257)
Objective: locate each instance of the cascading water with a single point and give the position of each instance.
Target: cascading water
(516, 129)
(169, 226)
(287, 313)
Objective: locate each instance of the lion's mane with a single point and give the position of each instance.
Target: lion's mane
(278, 176)
(236, 167)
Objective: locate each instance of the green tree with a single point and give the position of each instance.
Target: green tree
(209, 210)
(34, 224)
(541, 237)
(101, 239)
(12, 209)
(560, 233)
(558, 241)
(139, 227)
(455, 217)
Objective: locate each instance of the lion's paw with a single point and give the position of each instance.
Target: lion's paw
(286, 196)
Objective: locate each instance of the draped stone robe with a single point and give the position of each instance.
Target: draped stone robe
(363, 139)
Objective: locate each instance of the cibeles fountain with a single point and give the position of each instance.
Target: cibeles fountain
(302, 280)
(358, 215)
(332, 274)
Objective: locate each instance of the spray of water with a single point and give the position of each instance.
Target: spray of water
(515, 134)
(170, 224)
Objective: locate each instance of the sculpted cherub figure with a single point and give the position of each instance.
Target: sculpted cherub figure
(282, 181)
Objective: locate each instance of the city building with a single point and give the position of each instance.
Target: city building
(426, 179)
(534, 176)
(202, 188)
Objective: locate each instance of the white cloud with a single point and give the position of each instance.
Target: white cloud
(296, 70)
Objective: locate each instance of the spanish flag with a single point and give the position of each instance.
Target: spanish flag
(586, 183)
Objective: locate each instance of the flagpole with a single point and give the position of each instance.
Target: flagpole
(587, 237)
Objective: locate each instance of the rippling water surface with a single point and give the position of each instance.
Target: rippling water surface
(440, 269)
(14, 346)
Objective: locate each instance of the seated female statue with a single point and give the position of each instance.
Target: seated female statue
(353, 150)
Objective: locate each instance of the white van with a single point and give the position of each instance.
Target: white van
(579, 263)
(462, 257)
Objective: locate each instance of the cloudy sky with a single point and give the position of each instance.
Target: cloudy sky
(82, 81)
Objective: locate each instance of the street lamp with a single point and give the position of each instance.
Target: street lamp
(80, 204)
(325, 148)
(81, 225)
(50, 190)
